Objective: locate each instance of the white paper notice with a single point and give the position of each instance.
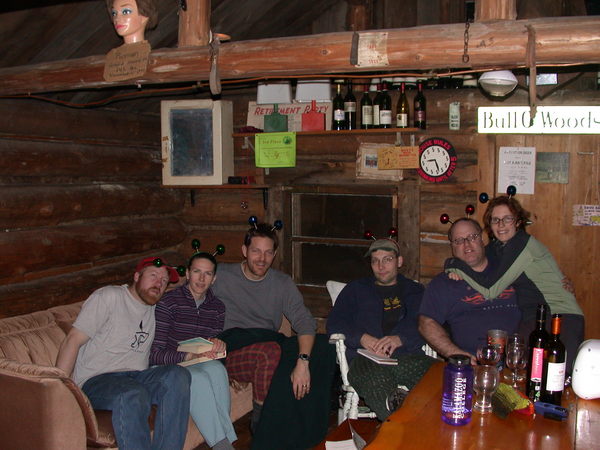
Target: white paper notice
(586, 215)
(516, 167)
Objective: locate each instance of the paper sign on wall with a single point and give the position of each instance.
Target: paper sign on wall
(586, 215)
(516, 167)
(275, 149)
(398, 157)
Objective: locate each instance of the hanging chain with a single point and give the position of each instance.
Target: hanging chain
(465, 56)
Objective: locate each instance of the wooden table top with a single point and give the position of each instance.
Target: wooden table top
(418, 424)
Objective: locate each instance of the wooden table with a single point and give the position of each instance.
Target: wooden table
(418, 424)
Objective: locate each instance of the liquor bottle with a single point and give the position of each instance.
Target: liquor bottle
(457, 393)
(366, 110)
(420, 107)
(338, 122)
(538, 340)
(376, 106)
(385, 108)
(554, 365)
(350, 108)
(402, 108)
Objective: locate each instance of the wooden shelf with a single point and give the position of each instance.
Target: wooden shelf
(344, 132)
(223, 186)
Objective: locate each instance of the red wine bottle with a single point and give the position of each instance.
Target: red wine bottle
(366, 110)
(538, 339)
(420, 108)
(554, 365)
(350, 108)
(385, 107)
(339, 121)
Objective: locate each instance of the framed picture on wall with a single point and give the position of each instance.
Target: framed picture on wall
(196, 142)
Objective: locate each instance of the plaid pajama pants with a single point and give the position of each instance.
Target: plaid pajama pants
(256, 364)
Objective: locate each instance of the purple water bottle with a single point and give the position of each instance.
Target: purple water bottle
(457, 395)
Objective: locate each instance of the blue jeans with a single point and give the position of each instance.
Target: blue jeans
(130, 395)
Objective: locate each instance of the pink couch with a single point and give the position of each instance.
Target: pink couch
(43, 409)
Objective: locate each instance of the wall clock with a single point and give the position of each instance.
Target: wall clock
(437, 160)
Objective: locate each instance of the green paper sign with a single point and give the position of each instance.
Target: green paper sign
(275, 149)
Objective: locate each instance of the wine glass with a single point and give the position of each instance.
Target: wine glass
(515, 360)
(485, 384)
(487, 355)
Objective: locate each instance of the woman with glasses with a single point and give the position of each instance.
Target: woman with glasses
(524, 262)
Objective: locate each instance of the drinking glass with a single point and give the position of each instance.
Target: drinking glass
(485, 384)
(515, 360)
(487, 355)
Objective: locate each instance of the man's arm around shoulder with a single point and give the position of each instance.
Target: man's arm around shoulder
(67, 354)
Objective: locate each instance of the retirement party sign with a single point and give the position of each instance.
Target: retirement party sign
(548, 120)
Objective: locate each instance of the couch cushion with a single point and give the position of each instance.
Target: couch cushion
(66, 314)
(31, 338)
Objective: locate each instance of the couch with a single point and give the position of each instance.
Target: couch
(43, 409)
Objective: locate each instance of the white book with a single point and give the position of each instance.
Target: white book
(377, 358)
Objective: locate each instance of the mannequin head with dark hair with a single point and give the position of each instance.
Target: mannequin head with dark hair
(131, 18)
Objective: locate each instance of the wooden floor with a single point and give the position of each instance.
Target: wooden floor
(242, 429)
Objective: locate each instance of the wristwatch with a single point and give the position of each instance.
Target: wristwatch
(304, 356)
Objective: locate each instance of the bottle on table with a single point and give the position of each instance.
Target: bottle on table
(554, 365)
(366, 110)
(538, 339)
(350, 108)
(402, 108)
(385, 107)
(457, 393)
(338, 122)
(420, 108)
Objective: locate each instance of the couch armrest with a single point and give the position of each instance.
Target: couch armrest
(53, 383)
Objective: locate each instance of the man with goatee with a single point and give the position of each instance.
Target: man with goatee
(106, 353)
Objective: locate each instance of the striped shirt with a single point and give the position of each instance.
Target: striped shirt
(178, 319)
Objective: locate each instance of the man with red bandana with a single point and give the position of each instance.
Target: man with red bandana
(107, 350)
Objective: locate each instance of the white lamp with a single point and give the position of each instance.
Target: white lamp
(498, 82)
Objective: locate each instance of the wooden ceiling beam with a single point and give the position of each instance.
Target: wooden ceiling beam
(560, 40)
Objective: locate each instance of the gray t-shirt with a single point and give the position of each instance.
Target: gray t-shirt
(121, 331)
(261, 304)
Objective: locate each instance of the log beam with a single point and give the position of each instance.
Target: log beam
(560, 40)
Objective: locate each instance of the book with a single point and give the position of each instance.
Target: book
(377, 358)
(195, 345)
(202, 359)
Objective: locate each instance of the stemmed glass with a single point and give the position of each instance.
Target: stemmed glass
(485, 384)
(487, 355)
(515, 359)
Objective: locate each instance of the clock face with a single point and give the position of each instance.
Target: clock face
(437, 160)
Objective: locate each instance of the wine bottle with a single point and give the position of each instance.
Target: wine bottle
(338, 122)
(366, 110)
(376, 106)
(420, 107)
(402, 108)
(385, 108)
(554, 365)
(538, 340)
(350, 108)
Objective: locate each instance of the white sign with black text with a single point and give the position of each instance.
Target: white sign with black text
(547, 120)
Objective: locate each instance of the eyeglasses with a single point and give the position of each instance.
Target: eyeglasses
(385, 260)
(507, 220)
(469, 238)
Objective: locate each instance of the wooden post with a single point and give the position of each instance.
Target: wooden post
(486, 10)
(359, 16)
(194, 24)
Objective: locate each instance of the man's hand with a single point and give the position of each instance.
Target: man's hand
(567, 285)
(300, 379)
(454, 276)
(387, 345)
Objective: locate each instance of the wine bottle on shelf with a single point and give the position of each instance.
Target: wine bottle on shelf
(338, 122)
(402, 108)
(554, 365)
(385, 107)
(420, 107)
(376, 106)
(350, 108)
(538, 339)
(366, 110)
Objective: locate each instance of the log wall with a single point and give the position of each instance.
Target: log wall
(80, 203)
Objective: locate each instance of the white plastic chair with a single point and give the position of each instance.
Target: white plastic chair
(350, 408)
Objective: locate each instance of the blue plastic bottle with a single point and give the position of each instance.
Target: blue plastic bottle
(457, 394)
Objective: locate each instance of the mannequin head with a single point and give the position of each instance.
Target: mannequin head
(131, 18)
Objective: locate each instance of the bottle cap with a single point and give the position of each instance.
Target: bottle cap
(459, 360)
